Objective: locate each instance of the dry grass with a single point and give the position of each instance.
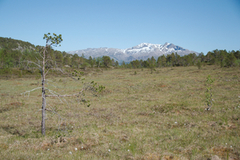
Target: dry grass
(138, 116)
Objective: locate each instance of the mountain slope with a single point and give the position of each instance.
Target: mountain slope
(142, 51)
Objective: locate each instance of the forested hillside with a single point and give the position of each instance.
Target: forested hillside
(13, 44)
(14, 52)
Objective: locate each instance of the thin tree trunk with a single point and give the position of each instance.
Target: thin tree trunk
(43, 94)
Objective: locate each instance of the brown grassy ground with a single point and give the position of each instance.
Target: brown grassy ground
(138, 116)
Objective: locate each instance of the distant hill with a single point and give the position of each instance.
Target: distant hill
(13, 44)
(142, 51)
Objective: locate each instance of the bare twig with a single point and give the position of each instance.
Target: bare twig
(54, 94)
(33, 63)
(30, 91)
(49, 83)
(64, 73)
(59, 116)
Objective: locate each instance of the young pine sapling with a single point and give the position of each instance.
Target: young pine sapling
(44, 62)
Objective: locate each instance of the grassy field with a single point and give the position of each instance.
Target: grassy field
(138, 116)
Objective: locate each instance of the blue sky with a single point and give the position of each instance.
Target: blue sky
(198, 25)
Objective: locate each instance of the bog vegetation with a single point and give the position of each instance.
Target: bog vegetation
(153, 109)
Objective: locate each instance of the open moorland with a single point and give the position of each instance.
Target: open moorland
(139, 115)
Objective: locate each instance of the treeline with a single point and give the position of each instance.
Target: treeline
(12, 58)
(216, 57)
(14, 52)
(15, 58)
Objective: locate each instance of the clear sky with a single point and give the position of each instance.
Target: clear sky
(198, 25)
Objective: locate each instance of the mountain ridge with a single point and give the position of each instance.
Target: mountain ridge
(141, 51)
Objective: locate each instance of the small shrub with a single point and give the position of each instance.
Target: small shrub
(38, 76)
(20, 74)
(81, 73)
(5, 71)
(208, 93)
(222, 64)
(199, 64)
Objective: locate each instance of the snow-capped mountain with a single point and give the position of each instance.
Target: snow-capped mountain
(142, 51)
